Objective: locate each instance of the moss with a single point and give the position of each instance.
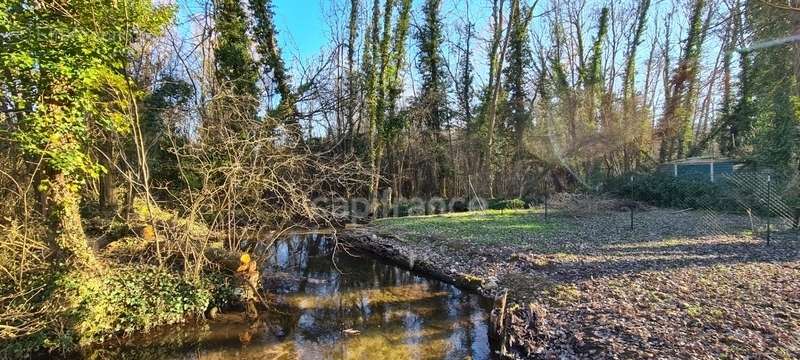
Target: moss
(66, 224)
(473, 280)
(126, 248)
(694, 311)
(142, 214)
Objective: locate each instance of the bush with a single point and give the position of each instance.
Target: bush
(667, 191)
(82, 309)
(405, 208)
(460, 206)
(129, 299)
(513, 204)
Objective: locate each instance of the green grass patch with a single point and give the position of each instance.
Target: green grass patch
(492, 227)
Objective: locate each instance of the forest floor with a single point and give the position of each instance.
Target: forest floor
(686, 284)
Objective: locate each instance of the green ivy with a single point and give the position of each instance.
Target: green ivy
(131, 299)
(63, 68)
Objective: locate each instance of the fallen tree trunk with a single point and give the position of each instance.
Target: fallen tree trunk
(516, 331)
(371, 243)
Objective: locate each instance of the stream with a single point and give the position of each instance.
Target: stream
(332, 305)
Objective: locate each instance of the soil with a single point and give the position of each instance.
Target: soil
(680, 284)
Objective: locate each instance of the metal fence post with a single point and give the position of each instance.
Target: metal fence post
(769, 208)
(545, 204)
(632, 207)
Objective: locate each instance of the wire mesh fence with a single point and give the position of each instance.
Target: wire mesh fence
(761, 203)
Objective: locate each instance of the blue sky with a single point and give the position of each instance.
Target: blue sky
(301, 26)
(304, 27)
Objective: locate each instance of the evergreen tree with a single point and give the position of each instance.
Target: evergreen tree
(271, 63)
(740, 121)
(466, 76)
(235, 69)
(519, 60)
(773, 91)
(172, 94)
(433, 99)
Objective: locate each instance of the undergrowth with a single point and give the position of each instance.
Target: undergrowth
(90, 308)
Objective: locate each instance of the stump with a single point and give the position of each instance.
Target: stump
(248, 275)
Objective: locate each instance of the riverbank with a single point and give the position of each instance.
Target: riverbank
(141, 281)
(329, 304)
(584, 285)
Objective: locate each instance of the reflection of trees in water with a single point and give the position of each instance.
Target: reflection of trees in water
(400, 315)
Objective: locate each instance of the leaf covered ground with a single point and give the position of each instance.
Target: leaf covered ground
(685, 284)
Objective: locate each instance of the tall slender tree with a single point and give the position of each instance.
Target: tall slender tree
(466, 77)
(352, 82)
(675, 124)
(433, 98)
(593, 72)
(235, 68)
(272, 64)
(383, 64)
(372, 77)
(519, 59)
(491, 95)
(630, 119)
(628, 84)
(773, 91)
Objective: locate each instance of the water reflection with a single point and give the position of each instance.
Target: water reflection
(396, 314)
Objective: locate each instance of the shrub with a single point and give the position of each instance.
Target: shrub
(130, 298)
(460, 206)
(667, 191)
(81, 309)
(513, 204)
(407, 208)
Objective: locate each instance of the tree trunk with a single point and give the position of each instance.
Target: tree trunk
(108, 199)
(65, 223)
(496, 68)
(796, 21)
(351, 77)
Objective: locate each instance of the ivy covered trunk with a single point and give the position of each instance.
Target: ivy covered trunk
(108, 198)
(796, 31)
(65, 222)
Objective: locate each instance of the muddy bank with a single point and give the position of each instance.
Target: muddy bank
(680, 284)
(391, 248)
(514, 332)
